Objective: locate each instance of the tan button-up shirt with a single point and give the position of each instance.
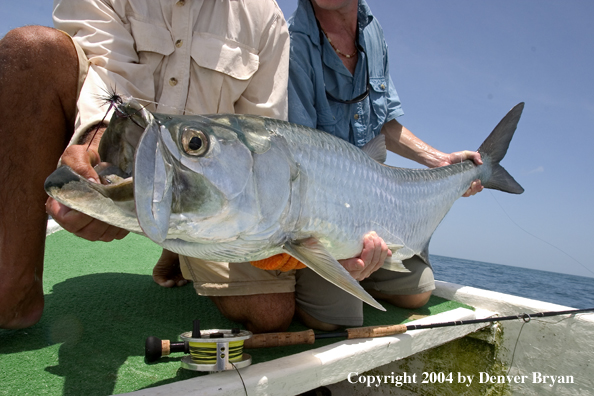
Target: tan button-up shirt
(184, 57)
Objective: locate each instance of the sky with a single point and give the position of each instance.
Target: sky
(458, 67)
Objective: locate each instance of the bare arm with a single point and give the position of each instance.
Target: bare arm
(403, 142)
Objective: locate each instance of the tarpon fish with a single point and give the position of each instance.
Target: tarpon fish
(240, 188)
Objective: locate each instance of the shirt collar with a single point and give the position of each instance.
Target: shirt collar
(303, 19)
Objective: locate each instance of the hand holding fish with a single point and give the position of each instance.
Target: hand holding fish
(81, 159)
(374, 253)
(403, 142)
(461, 156)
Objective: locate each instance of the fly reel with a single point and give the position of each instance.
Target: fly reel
(208, 350)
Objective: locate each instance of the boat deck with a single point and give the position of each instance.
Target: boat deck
(101, 305)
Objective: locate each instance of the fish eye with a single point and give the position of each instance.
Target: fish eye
(194, 142)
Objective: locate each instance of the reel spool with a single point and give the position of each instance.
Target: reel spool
(209, 350)
(215, 350)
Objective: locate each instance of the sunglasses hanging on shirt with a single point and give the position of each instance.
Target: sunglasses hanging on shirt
(358, 98)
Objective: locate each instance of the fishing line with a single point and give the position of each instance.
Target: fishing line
(511, 364)
(520, 333)
(185, 111)
(241, 378)
(540, 239)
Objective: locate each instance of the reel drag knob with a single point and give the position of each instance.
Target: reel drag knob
(155, 348)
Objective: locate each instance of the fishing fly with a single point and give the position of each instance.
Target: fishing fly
(114, 100)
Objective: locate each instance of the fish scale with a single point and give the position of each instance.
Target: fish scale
(408, 211)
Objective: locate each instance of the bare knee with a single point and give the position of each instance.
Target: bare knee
(31, 49)
(39, 39)
(259, 313)
(314, 323)
(411, 301)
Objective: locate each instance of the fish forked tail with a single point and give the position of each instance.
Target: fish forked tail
(495, 147)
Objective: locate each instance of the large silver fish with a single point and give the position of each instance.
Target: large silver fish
(241, 188)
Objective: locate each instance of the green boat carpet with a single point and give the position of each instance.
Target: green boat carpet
(101, 304)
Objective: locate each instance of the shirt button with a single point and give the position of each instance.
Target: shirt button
(382, 86)
(179, 43)
(181, 3)
(356, 116)
(173, 81)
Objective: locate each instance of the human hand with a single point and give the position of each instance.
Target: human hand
(81, 161)
(460, 156)
(374, 253)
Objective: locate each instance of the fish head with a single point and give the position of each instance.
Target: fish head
(187, 165)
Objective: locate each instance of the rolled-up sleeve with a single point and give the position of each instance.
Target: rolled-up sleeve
(110, 49)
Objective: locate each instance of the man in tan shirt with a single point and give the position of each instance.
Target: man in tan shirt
(177, 57)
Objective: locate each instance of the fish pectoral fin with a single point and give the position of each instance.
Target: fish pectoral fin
(315, 256)
(392, 263)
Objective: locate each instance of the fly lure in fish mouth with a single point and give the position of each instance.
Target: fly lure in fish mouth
(114, 100)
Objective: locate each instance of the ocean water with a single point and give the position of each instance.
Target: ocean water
(569, 290)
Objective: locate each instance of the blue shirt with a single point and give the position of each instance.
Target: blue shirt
(311, 73)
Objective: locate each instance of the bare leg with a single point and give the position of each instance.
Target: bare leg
(260, 313)
(167, 272)
(38, 89)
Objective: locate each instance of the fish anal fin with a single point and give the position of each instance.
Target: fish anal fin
(392, 263)
(315, 256)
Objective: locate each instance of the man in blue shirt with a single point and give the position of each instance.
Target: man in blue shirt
(339, 82)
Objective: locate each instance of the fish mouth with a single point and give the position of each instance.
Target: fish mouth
(112, 203)
(114, 187)
(140, 202)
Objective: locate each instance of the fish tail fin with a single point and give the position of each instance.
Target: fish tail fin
(495, 147)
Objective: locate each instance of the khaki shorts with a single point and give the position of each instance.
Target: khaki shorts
(234, 279)
(313, 294)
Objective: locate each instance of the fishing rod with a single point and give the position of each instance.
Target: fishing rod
(156, 348)
(308, 336)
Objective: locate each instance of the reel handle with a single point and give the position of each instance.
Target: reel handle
(155, 348)
(266, 340)
(375, 331)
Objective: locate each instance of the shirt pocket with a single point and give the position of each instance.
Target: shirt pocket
(379, 103)
(224, 56)
(153, 43)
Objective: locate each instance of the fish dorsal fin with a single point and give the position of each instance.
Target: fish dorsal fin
(376, 148)
(314, 255)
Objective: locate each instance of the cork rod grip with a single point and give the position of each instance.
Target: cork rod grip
(280, 339)
(375, 331)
